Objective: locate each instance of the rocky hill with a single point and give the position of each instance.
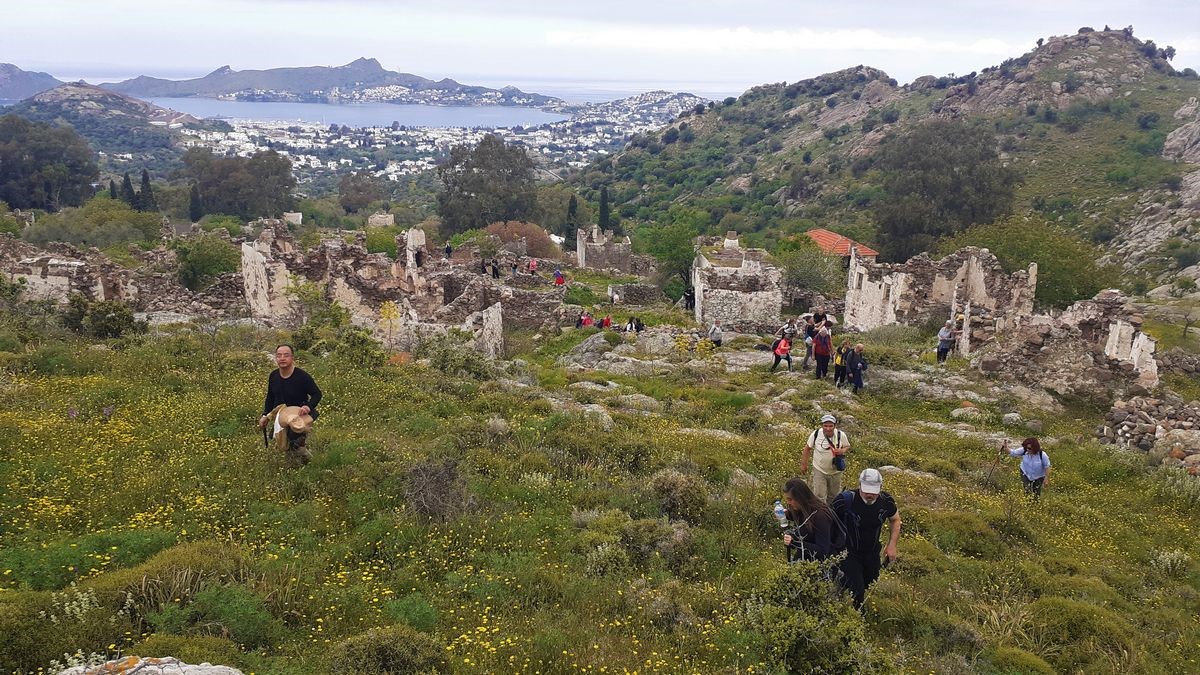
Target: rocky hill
(115, 125)
(360, 80)
(1099, 124)
(17, 84)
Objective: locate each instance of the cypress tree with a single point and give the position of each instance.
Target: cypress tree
(195, 208)
(146, 201)
(112, 189)
(605, 216)
(127, 193)
(572, 211)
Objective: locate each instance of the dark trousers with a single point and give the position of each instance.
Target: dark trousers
(822, 365)
(857, 378)
(1033, 487)
(943, 352)
(839, 375)
(778, 358)
(860, 569)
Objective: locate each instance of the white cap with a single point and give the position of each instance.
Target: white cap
(828, 418)
(870, 481)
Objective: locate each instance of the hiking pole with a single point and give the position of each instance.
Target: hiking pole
(996, 462)
(266, 441)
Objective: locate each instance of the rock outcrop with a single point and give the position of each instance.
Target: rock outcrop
(1168, 430)
(133, 665)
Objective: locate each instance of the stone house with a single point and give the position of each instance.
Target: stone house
(739, 286)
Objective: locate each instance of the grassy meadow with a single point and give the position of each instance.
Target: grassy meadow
(466, 523)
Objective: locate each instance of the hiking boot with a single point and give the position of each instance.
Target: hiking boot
(298, 453)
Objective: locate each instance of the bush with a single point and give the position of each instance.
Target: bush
(1013, 661)
(580, 294)
(679, 495)
(1082, 633)
(204, 257)
(960, 531)
(103, 319)
(356, 347)
(383, 240)
(435, 490)
(231, 224)
(414, 610)
(452, 355)
(537, 241)
(394, 650)
(189, 649)
(805, 626)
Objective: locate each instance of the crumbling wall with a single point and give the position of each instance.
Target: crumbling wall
(599, 250)
(739, 287)
(968, 285)
(636, 294)
(1095, 346)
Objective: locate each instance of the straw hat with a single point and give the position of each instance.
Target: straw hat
(291, 417)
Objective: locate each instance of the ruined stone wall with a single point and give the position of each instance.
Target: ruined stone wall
(602, 251)
(969, 282)
(1167, 429)
(747, 296)
(637, 294)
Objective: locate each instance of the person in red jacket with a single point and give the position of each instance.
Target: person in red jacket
(822, 349)
(783, 350)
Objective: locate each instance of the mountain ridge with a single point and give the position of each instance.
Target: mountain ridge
(16, 83)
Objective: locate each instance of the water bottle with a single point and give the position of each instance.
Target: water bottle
(780, 514)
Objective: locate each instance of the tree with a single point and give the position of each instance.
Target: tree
(204, 257)
(673, 245)
(389, 313)
(356, 191)
(806, 266)
(195, 207)
(605, 209)
(249, 187)
(43, 167)
(489, 183)
(127, 194)
(145, 197)
(1067, 267)
(939, 178)
(100, 222)
(537, 241)
(573, 212)
(112, 189)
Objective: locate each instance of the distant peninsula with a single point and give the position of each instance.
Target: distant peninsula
(362, 80)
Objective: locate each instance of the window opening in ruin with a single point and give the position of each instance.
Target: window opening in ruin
(419, 257)
(858, 281)
(887, 291)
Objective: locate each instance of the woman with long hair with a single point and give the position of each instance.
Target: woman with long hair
(811, 538)
(1035, 465)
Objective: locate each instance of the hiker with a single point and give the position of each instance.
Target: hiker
(863, 512)
(588, 320)
(513, 266)
(495, 268)
(579, 319)
(715, 333)
(788, 330)
(607, 322)
(483, 266)
(822, 348)
(449, 251)
(689, 299)
(946, 337)
(820, 318)
(816, 533)
(856, 365)
(1035, 465)
(559, 279)
(289, 386)
(810, 334)
(782, 350)
(533, 266)
(827, 448)
(839, 362)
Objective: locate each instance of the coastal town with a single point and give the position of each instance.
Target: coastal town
(395, 151)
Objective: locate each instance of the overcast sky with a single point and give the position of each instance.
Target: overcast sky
(706, 46)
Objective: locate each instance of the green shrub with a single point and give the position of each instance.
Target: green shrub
(204, 257)
(359, 349)
(1080, 634)
(237, 612)
(805, 626)
(679, 495)
(414, 610)
(580, 294)
(394, 650)
(1013, 661)
(959, 531)
(382, 240)
(216, 221)
(189, 649)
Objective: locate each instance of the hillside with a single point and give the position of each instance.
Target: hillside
(114, 124)
(536, 516)
(362, 79)
(16, 84)
(1084, 118)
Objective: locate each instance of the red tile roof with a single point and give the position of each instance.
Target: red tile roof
(836, 244)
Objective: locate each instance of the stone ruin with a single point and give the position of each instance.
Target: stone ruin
(381, 220)
(969, 283)
(636, 294)
(1168, 430)
(60, 270)
(739, 286)
(1094, 346)
(600, 250)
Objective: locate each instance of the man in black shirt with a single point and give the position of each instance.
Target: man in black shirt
(291, 386)
(863, 512)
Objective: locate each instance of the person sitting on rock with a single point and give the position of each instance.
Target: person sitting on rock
(291, 387)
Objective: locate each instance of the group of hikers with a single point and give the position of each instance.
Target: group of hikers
(587, 320)
(821, 520)
(848, 359)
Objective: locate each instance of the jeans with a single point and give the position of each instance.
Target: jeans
(1033, 487)
(807, 356)
(822, 365)
(943, 351)
(857, 379)
(860, 569)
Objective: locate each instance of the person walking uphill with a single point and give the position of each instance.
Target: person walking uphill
(856, 365)
(863, 512)
(946, 337)
(782, 350)
(293, 395)
(822, 349)
(1035, 465)
(816, 534)
(839, 362)
(827, 448)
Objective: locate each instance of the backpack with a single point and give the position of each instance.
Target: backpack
(849, 520)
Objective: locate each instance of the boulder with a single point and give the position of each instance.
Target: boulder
(151, 666)
(656, 343)
(635, 402)
(599, 415)
(970, 413)
(586, 354)
(1012, 419)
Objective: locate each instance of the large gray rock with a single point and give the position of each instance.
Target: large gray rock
(656, 343)
(636, 402)
(133, 665)
(586, 354)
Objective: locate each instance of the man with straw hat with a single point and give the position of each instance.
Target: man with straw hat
(292, 398)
